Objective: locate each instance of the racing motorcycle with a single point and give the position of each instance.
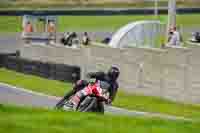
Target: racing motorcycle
(93, 102)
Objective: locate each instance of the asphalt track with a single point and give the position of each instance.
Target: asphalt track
(19, 96)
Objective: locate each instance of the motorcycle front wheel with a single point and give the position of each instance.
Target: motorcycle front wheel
(87, 104)
(62, 101)
(91, 104)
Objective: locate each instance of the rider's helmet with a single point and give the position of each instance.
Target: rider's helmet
(113, 73)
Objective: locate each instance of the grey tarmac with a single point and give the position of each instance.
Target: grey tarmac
(19, 96)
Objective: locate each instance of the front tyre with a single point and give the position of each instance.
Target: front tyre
(100, 108)
(62, 101)
(87, 105)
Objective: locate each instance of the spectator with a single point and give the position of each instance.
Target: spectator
(66, 35)
(65, 38)
(85, 39)
(170, 35)
(74, 40)
(197, 37)
(51, 28)
(174, 37)
(28, 27)
(70, 39)
(177, 32)
(27, 30)
(106, 40)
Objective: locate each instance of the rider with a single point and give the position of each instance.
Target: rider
(110, 77)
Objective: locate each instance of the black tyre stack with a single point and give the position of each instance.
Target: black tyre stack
(48, 70)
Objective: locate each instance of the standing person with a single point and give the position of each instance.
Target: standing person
(197, 36)
(178, 35)
(66, 35)
(75, 41)
(85, 39)
(170, 41)
(28, 29)
(170, 33)
(51, 28)
(65, 38)
(174, 37)
(69, 39)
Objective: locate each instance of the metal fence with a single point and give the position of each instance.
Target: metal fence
(97, 11)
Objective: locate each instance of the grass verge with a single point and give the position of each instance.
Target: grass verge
(66, 4)
(67, 23)
(115, 22)
(125, 100)
(23, 120)
(10, 24)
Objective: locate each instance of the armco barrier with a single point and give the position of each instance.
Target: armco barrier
(60, 72)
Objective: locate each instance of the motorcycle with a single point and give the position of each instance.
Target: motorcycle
(90, 103)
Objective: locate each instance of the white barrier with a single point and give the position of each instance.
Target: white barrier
(171, 73)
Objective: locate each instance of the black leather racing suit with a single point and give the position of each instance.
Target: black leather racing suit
(102, 77)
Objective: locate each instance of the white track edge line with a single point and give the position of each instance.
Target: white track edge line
(57, 98)
(29, 91)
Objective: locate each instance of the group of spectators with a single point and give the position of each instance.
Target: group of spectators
(28, 29)
(51, 28)
(68, 39)
(72, 40)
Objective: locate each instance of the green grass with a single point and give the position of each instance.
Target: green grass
(10, 24)
(52, 4)
(129, 101)
(98, 22)
(155, 104)
(34, 83)
(115, 22)
(66, 23)
(65, 4)
(28, 120)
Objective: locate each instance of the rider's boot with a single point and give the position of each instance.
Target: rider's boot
(68, 107)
